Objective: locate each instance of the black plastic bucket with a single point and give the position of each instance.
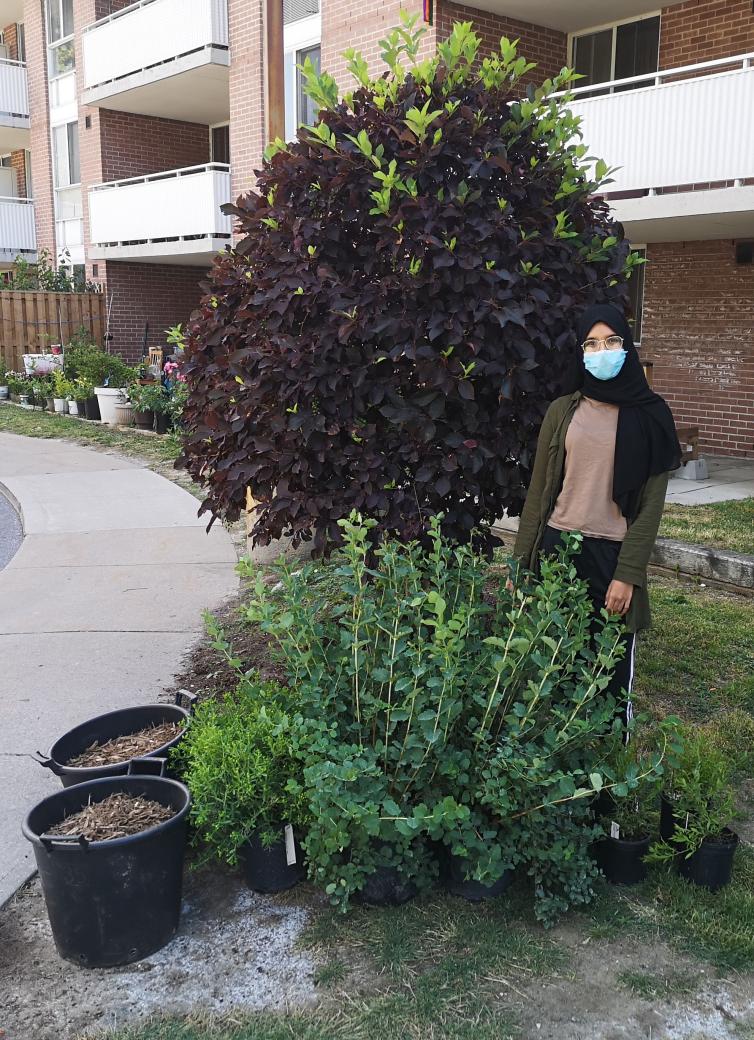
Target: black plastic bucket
(668, 818)
(473, 891)
(112, 902)
(105, 727)
(711, 865)
(386, 887)
(621, 861)
(91, 408)
(265, 867)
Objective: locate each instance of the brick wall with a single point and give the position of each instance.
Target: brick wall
(698, 328)
(18, 163)
(548, 47)
(362, 26)
(702, 30)
(41, 163)
(162, 294)
(10, 38)
(131, 144)
(247, 110)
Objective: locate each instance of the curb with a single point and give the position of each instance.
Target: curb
(693, 561)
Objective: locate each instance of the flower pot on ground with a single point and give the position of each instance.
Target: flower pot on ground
(459, 881)
(50, 404)
(144, 420)
(386, 886)
(711, 865)
(60, 405)
(238, 760)
(4, 393)
(699, 802)
(161, 422)
(80, 403)
(272, 862)
(124, 414)
(107, 399)
(98, 740)
(73, 407)
(91, 408)
(112, 901)
(23, 399)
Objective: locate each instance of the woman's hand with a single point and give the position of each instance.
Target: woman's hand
(618, 598)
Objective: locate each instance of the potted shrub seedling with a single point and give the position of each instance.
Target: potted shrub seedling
(148, 398)
(82, 392)
(698, 806)
(4, 389)
(238, 761)
(62, 389)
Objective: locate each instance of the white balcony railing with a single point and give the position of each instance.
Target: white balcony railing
(177, 204)
(14, 95)
(16, 227)
(149, 33)
(669, 131)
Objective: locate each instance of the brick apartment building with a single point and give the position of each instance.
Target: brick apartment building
(128, 124)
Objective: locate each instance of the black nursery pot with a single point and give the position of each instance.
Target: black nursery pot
(265, 867)
(668, 818)
(386, 886)
(621, 861)
(473, 891)
(161, 422)
(118, 723)
(111, 902)
(91, 408)
(711, 865)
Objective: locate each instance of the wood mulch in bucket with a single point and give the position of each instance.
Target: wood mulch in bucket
(130, 745)
(116, 816)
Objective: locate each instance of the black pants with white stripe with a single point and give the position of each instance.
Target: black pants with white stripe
(595, 564)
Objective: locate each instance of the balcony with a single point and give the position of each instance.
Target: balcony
(573, 16)
(169, 217)
(14, 106)
(16, 230)
(680, 141)
(164, 58)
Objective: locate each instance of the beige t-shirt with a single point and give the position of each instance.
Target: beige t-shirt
(585, 502)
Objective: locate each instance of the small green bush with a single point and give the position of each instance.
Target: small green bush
(86, 361)
(238, 761)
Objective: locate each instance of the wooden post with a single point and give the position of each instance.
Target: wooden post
(275, 108)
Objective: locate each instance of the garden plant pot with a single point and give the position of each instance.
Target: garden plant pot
(161, 422)
(473, 891)
(3, 393)
(712, 864)
(23, 398)
(60, 405)
(118, 723)
(107, 399)
(144, 420)
(73, 408)
(80, 403)
(91, 408)
(111, 902)
(265, 867)
(386, 887)
(622, 861)
(124, 414)
(50, 404)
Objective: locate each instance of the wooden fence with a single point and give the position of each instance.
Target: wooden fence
(31, 321)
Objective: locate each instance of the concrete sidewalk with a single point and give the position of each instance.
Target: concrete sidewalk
(729, 478)
(96, 607)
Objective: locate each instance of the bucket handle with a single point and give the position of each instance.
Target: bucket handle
(47, 763)
(51, 840)
(147, 766)
(186, 699)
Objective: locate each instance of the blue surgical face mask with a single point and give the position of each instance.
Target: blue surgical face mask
(605, 364)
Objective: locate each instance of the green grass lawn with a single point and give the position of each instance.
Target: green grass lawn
(721, 525)
(36, 423)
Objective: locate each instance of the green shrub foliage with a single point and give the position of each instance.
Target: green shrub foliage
(433, 703)
(389, 331)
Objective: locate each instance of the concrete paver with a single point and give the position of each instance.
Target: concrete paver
(96, 608)
(729, 478)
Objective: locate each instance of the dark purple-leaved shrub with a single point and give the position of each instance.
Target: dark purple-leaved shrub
(389, 332)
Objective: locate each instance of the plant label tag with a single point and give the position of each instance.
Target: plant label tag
(290, 846)
(614, 830)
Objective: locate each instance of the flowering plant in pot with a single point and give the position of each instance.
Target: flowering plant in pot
(698, 806)
(248, 805)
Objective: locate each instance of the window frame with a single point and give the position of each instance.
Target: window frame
(298, 36)
(218, 126)
(65, 126)
(56, 44)
(573, 36)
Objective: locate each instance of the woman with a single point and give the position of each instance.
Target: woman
(601, 468)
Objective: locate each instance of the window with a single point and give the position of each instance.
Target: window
(21, 41)
(219, 144)
(65, 147)
(62, 58)
(622, 51)
(636, 294)
(306, 110)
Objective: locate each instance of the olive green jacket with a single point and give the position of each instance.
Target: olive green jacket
(546, 481)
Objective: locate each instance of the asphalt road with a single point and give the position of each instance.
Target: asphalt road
(11, 533)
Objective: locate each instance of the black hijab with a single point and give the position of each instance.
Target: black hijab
(646, 441)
